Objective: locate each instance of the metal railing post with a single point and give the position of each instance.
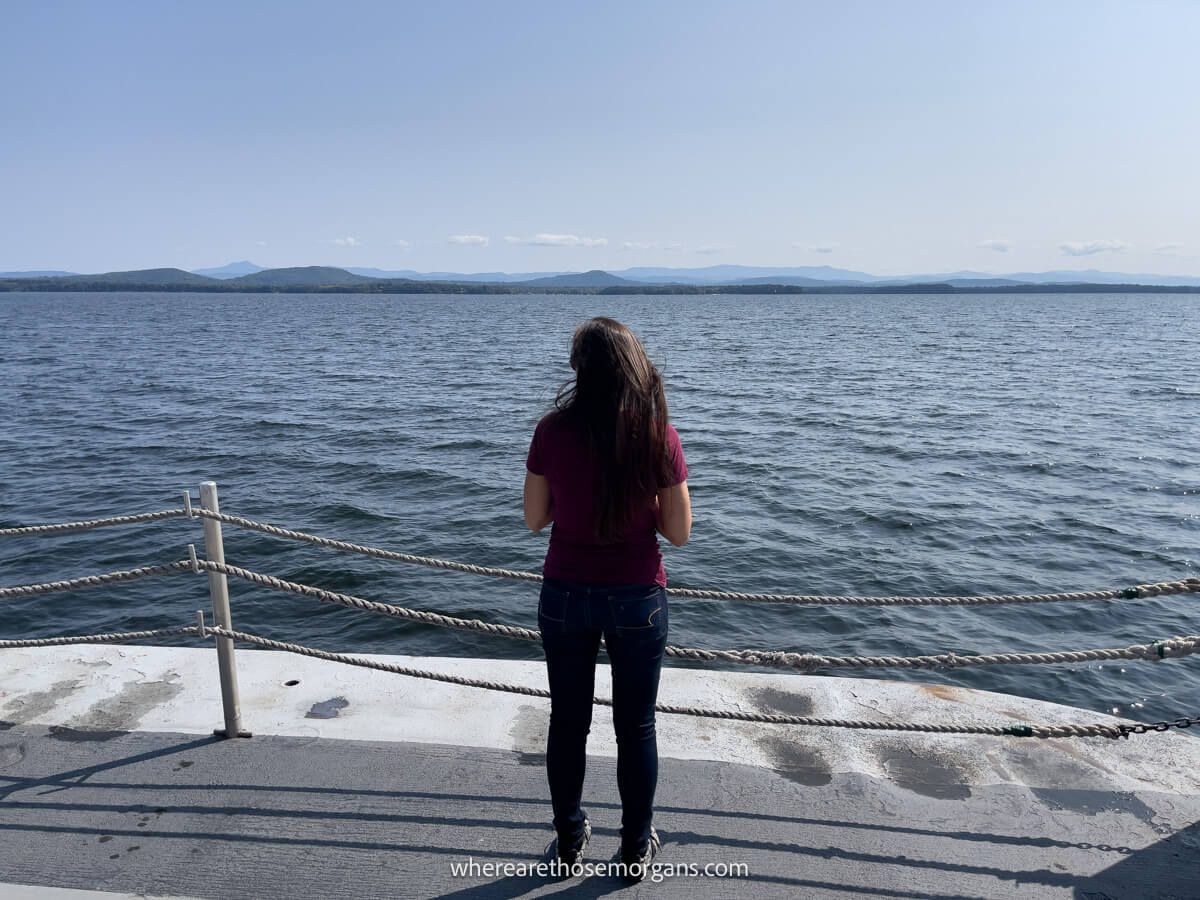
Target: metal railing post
(218, 587)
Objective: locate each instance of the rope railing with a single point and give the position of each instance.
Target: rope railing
(1008, 730)
(88, 581)
(1165, 648)
(89, 524)
(216, 570)
(1042, 731)
(1157, 589)
(120, 637)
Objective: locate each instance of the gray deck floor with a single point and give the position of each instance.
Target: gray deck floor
(172, 814)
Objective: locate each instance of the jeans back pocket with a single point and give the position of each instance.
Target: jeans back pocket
(552, 604)
(641, 614)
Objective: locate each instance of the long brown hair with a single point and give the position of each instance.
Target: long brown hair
(616, 401)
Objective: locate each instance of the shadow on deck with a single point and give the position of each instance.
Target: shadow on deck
(284, 816)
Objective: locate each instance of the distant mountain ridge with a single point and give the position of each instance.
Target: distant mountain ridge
(457, 277)
(37, 273)
(727, 278)
(594, 278)
(298, 276)
(140, 277)
(791, 275)
(730, 274)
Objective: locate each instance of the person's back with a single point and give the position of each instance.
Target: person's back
(608, 469)
(560, 453)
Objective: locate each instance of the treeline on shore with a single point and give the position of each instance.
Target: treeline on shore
(402, 286)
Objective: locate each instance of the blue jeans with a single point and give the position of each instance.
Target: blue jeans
(633, 620)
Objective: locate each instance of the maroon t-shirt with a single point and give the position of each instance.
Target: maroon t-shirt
(561, 454)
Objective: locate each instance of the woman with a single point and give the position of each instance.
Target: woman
(607, 469)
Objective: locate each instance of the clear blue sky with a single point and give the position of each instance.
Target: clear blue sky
(890, 137)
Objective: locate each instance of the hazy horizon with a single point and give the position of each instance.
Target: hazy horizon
(833, 272)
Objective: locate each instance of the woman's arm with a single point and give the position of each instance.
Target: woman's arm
(675, 514)
(539, 508)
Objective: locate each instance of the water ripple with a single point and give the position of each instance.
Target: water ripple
(923, 445)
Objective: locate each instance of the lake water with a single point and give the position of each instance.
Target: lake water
(837, 444)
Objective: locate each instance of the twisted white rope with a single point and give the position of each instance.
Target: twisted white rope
(780, 659)
(363, 549)
(1157, 650)
(112, 638)
(87, 581)
(1163, 588)
(89, 524)
(1011, 730)
(1185, 645)
(1158, 589)
(201, 630)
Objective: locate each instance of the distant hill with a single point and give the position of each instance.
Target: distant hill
(172, 277)
(299, 276)
(1094, 276)
(710, 279)
(794, 280)
(37, 273)
(830, 275)
(594, 278)
(456, 277)
(984, 282)
(397, 273)
(1057, 276)
(746, 275)
(230, 270)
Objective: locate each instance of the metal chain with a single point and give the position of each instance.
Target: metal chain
(1144, 727)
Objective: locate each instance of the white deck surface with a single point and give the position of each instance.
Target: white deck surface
(826, 812)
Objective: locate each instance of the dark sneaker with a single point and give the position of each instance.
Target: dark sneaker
(637, 865)
(570, 859)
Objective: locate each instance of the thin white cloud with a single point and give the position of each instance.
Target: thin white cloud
(1168, 249)
(558, 240)
(261, 243)
(824, 247)
(346, 241)
(1087, 248)
(709, 249)
(403, 244)
(469, 240)
(651, 245)
(999, 245)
